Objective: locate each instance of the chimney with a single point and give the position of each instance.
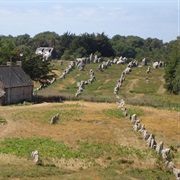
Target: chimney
(19, 63)
(9, 63)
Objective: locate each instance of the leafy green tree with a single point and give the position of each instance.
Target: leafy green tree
(88, 42)
(126, 46)
(67, 55)
(65, 41)
(22, 40)
(103, 45)
(37, 69)
(85, 44)
(134, 41)
(7, 46)
(155, 49)
(80, 52)
(172, 70)
(176, 81)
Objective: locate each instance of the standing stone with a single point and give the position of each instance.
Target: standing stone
(176, 172)
(146, 134)
(91, 58)
(144, 62)
(133, 118)
(159, 147)
(35, 156)
(165, 153)
(149, 140)
(142, 129)
(170, 164)
(153, 144)
(125, 112)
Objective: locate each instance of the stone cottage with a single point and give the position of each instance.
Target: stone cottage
(15, 85)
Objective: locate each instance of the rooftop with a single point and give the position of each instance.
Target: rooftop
(14, 76)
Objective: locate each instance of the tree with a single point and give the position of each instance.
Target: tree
(172, 75)
(37, 69)
(65, 41)
(103, 45)
(88, 42)
(7, 47)
(22, 39)
(134, 41)
(176, 80)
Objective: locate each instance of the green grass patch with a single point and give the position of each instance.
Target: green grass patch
(13, 171)
(117, 163)
(3, 120)
(142, 87)
(96, 150)
(125, 151)
(116, 113)
(136, 111)
(22, 147)
(92, 149)
(152, 174)
(24, 103)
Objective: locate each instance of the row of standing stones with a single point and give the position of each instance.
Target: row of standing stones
(137, 127)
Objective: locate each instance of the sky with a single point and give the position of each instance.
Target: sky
(144, 18)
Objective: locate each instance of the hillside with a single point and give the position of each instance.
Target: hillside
(135, 89)
(91, 140)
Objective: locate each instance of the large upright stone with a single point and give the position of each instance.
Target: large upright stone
(35, 156)
(159, 147)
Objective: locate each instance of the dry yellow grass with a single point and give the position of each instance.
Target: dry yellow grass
(163, 123)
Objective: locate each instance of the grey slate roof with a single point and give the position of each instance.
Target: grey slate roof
(14, 76)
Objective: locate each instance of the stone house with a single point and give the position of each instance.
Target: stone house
(15, 85)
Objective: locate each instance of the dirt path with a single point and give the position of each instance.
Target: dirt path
(161, 89)
(10, 126)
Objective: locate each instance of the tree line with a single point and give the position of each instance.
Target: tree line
(70, 46)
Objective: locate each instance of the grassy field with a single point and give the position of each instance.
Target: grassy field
(135, 89)
(92, 140)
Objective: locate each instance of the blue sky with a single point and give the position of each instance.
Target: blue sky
(143, 18)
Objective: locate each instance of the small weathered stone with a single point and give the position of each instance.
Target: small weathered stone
(35, 156)
(54, 119)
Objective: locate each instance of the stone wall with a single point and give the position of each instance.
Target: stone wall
(18, 94)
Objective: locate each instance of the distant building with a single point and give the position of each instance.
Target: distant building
(15, 85)
(48, 53)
